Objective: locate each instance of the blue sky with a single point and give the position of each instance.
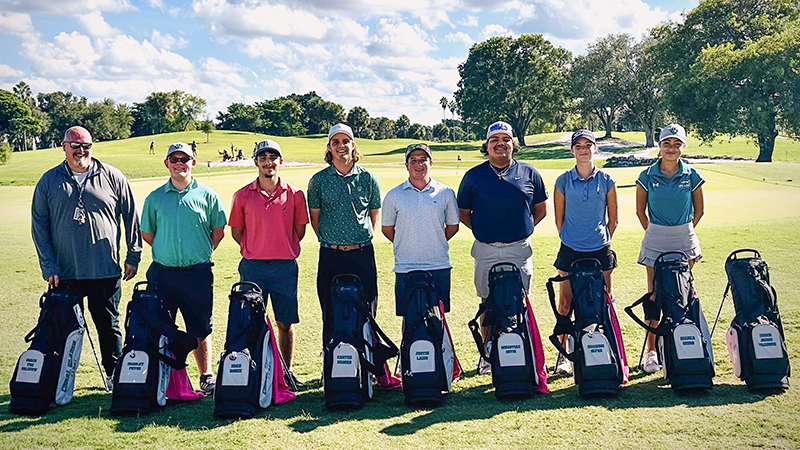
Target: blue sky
(390, 56)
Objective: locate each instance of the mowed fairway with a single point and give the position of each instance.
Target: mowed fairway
(741, 211)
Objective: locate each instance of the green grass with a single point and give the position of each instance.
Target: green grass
(741, 211)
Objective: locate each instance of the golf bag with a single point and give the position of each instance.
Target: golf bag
(683, 338)
(45, 373)
(598, 359)
(353, 352)
(427, 357)
(250, 372)
(153, 347)
(515, 347)
(756, 342)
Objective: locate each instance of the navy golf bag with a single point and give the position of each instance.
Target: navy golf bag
(427, 358)
(683, 338)
(756, 342)
(248, 368)
(515, 347)
(153, 346)
(353, 353)
(598, 358)
(45, 373)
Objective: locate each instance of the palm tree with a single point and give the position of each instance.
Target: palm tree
(443, 103)
(23, 92)
(452, 107)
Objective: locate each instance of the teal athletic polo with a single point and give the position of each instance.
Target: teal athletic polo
(669, 200)
(344, 202)
(182, 222)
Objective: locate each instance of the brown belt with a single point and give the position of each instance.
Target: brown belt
(343, 248)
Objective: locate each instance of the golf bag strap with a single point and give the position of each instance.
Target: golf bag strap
(475, 328)
(382, 350)
(629, 310)
(563, 323)
(180, 342)
(724, 296)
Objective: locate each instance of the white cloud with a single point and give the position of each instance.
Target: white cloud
(167, 41)
(8, 72)
(493, 30)
(459, 37)
(398, 38)
(249, 19)
(16, 24)
(469, 21)
(64, 7)
(95, 25)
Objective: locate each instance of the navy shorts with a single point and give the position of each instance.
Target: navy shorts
(441, 280)
(566, 256)
(277, 279)
(190, 289)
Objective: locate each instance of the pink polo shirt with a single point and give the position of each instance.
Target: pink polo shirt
(269, 220)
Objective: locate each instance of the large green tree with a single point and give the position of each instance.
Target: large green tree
(166, 112)
(358, 119)
(17, 121)
(63, 111)
(732, 67)
(402, 125)
(240, 117)
(644, 93)
(108, 120)
(599, 78)
(515, 80)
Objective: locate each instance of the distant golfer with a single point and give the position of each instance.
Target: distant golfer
(152, 148)
(76, 216)
(184, 222)
(669, 204)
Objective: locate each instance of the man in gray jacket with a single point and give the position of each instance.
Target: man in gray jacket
(75, 221)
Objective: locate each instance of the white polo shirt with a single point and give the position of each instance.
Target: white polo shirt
(419, 218)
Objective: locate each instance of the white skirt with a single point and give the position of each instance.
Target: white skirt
(660, 238)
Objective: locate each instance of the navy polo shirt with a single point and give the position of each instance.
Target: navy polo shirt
(669, 199)
(501, 206)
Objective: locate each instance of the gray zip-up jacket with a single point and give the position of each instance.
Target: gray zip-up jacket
(76, 251)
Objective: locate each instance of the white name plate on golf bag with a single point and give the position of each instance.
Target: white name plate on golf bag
(688, 342)
(767, 342)
(345, 361)
(29, 369)
(510, 350)
(135, 365)
(596, 349)
(236, 369)
(423, 357)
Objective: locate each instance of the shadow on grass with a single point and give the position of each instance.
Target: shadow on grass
(462, 147)
(307, 413)
(550, 150)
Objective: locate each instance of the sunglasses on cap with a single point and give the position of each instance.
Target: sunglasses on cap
(176, 160)
(413, 147)
(77, 145)
(498, 127)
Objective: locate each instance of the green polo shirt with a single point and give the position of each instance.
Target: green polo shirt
(182, 222)
(344, 202)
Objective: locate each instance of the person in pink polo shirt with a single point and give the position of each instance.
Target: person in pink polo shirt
(268, 220)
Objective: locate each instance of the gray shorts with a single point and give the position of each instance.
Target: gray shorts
(660, 238)
(486, 255)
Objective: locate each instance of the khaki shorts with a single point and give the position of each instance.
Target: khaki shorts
(486, 255)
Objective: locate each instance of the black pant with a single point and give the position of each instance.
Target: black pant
(332, 262)
(102, 298)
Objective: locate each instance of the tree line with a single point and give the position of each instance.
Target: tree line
(731, 67)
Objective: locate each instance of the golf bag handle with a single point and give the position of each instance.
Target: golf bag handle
(585, 263)
(345, 277)
(673, 252)
(643, 324)
(475, 328)
(245, 284)
(564, 324)
(513, 267)
(734, 254)
(147, 284)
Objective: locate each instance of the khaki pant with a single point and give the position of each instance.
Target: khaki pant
(486, 255)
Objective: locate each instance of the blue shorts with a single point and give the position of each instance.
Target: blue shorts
(190, 289)
(277, 279)
(441, 280)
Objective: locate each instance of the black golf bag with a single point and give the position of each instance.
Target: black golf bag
(248, 368)
(45, 373)
(683, 338)
(756, 342)
(515, 347)
(153, 346)
(427, 357)
(353, 353)
(598, 358)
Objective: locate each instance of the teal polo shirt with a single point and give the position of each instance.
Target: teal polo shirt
(182, 222)
(669, 199)
(344, 202)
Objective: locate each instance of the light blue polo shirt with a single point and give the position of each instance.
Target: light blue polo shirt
(584, 227)
(182, 222)
(419, 218)
(669, 200)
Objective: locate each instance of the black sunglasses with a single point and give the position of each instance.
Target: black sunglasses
(83, 145)
(176, 160)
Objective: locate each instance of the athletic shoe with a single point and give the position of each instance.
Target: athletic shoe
(650, 363)
(484, 368)
(563, 367)
(110, 383)
(292, 381)
(208, 384)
